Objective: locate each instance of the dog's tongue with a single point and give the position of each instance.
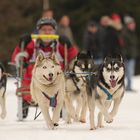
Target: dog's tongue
(50, 78)
(113, 83)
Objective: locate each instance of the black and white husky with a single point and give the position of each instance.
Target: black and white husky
(3, 81)
(108, 89)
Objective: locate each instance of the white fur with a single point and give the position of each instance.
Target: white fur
(40, 84)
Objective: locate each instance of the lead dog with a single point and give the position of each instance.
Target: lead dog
(3, 81)
(47, 87)
(108, 89)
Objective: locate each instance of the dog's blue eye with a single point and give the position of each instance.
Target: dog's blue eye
(44, 67)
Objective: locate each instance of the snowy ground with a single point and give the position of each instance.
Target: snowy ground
(125, 126)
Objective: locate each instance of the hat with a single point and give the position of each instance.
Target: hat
(115, 17)
(46, 21)
(128, 19)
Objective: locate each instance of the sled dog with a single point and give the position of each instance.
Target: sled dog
(108, 89)
(75, 88)
(47, 87)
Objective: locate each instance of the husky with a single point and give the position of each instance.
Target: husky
(47, 87)
(109, 88)
(3, 82)
(75, 88)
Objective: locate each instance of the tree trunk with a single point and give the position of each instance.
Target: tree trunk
(46, 4)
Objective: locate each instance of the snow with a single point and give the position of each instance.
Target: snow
(126, 124)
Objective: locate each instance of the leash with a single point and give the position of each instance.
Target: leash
(37, 115)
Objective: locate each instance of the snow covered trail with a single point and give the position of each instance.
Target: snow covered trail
(126, 124)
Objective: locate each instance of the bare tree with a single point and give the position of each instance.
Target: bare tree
(46, 4)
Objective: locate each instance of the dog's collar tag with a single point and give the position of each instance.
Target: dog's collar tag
(109, 96)
(53, 100)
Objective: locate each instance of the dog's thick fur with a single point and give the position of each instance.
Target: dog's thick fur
(48, 80)
(75, 87)
(3, 81)
(110, 81)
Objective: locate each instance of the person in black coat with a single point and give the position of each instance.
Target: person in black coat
(91, 41)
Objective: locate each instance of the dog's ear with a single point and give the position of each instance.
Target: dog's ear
(39, 58)
(121, 59)
(54, 58)
(106, 59)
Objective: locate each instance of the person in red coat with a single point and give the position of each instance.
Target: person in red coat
(45, 26)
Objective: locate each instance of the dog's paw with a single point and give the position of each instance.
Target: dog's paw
(109, 119)
(100, 126)
(3, 115)
(56, 124)
(82, 120)
(93, 128)
(69, 121)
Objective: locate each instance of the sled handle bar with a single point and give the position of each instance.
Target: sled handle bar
(87, 73)
(42, 36)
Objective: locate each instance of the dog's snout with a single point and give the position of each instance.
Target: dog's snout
(50, 74)
(112, 77)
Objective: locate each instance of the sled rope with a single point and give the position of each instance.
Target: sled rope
(36, 115)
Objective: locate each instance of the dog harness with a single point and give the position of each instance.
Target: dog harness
(109, 96)
(53, 100)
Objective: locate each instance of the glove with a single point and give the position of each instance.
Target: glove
(64, 40)
(26, 38)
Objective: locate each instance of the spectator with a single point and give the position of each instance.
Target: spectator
(131, 49)
(114, 39)
(91, 42)
(104, 22)
(64, 28)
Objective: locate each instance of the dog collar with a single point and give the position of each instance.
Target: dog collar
(109, 96)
